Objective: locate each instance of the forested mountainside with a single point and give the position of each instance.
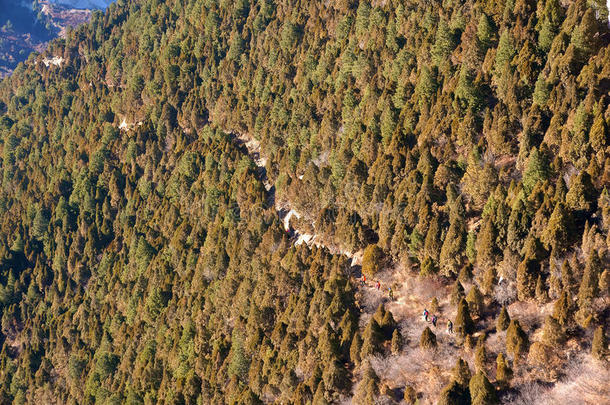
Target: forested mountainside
(460, 148)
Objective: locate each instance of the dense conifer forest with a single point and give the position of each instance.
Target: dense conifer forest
(455, 152)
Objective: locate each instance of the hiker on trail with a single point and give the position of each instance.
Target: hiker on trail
(391, 293)
(434, 320)
(449, 326)
(378, 285)
(425, 315)
(363, 279)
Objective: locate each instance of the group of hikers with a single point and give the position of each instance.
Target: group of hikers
(377, 286)
(426, 315)
(434, 319)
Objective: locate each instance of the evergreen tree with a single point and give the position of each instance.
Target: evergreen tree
(503, 371)
(481, 390)
(503, 320)
(461, 373)
(528, 270)
(475, 301)
(558, 232)
(396, 345)
(552, 332)
(563, 309)
(590, 281)
(454, 394)
(599, 348)
(457, 293)
(463, 322)
(427, 341)
(517, 342)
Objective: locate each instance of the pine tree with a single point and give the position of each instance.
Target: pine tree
(542, 295)
(517, 342)
(552, 332)
(599, 347)
(372, 338)
(489, 281)
(481, 390)
(563, 309)
(461, 373)
(503, 320)
(368, 389)
(537, 170)
(567, 276)
(487, 249)
(581, 195)
(372, 260)
(604, 283)
(355, 348)
(463, 322)
(557, 234)
(480, 354)
(427, 340)
(454, 394)
(503, 371)
(432, 243)
(590, 281)
(457, 293)
(396, 345)
(444, 44)
(528, 270)
(475, 301)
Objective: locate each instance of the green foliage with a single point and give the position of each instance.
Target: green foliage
(503, 320)
(427, 340)
(503, 371)
(454, 394)
(372, 260)
(517, 342)
(599, 348)
(463, 322)
(481, 390)
(389, 125)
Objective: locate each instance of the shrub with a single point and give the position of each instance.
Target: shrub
(427, 340)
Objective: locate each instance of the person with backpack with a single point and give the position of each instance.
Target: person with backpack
(449, 326)
(378, 285)
(434, 320)
(425, 315)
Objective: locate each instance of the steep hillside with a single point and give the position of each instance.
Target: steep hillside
(191, 191)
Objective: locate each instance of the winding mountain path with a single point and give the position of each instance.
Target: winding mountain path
(284, 209)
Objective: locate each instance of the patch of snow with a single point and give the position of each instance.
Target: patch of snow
(124, 125)
(55, 60)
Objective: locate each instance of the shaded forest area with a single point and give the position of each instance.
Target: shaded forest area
(455, 143)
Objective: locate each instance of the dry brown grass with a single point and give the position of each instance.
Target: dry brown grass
(585, 382)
